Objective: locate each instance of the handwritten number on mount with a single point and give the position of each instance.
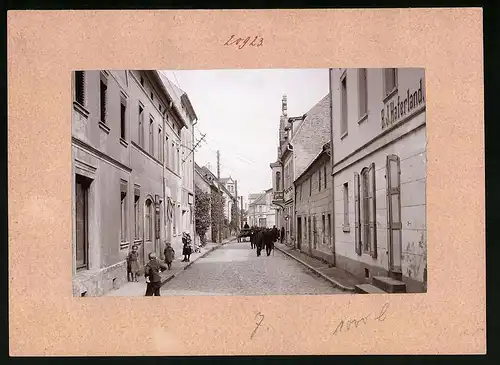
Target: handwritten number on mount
(345, 326)
(258, 323)
(257, 41)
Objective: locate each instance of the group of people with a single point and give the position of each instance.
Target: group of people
(154, 266)
(261, 237)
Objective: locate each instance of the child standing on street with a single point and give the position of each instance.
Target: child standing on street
(133, 264)
(169, 255)
(186, 249)
(152, 273)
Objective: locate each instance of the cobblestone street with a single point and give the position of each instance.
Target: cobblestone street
(235, 269)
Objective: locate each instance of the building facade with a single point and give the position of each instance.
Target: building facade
(379, 173)
(261, 211)
(121, 122)
(313, 207)
(301, 139)
(184, 214)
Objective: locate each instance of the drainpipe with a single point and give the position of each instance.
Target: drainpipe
(332, 163)
(194, 189)
(163, 187)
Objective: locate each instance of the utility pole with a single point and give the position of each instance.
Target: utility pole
(236, 196)
(194, 148)
(241, 210)
(218, 182)
(218, 165)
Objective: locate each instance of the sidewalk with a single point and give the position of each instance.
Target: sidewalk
(135, 289)
(338, 277)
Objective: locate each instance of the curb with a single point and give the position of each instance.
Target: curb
(334, 282)
(166, 280)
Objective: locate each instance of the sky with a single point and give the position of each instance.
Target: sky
(239, 111)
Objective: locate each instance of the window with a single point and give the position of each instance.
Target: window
(319, 180)
(389, 80)
(363, 93)
(123, 219)
(172, 162)
(81, 221)
(103, 100)
(159, 106)
(123, 113)
(142, 81)
(315, 233)
(343, 106)
(80, 87)
(149, 220)
(329, 230)
(278, 181)
(260, 207)
(309, 231)
(160, 146)
(300, 191)
(323, 230)
(141, 126)
(151, 138)
(152, 96)
(324, 173)
(346, 205)
(137, 216)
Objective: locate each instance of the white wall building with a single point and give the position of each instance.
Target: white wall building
(379, 173)
(261, 211)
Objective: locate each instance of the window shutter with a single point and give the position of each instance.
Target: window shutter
(357, 225)
(373, 217)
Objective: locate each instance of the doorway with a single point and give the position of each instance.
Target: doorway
(299, 232)
(82, 185)
(394, 225)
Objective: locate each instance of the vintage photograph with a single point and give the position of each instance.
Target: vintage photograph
(249, 182)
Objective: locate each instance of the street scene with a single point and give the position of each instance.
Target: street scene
(249, 182)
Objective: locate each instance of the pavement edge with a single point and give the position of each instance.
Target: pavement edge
(332, 281)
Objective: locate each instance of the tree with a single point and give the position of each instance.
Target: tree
(217, 210)
(202, 213)
(234, 217)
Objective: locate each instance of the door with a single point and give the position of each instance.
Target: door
(81, 222)
(299, 232)
(394, 214)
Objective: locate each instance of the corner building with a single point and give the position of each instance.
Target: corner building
(379, 170)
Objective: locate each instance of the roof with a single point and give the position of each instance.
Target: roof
(178, 96)
(324, 150)
(254, 196)
(260, 200)
(225, 179)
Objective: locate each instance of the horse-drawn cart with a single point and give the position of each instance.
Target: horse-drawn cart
(244, 233)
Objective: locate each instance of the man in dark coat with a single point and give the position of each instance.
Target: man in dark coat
(276, 233)
(282, 235)
(152, 273)
(269, 240)
(252, 238)
(259, 241)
